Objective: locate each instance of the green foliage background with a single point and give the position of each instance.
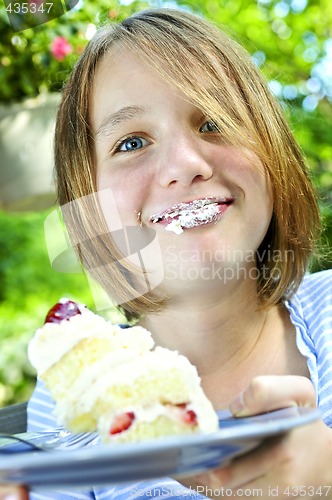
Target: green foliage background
(290, 40)
(29, 287)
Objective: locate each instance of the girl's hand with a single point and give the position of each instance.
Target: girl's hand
(10, 492)
(296, 464)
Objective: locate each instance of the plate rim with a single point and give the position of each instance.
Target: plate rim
(242, 430)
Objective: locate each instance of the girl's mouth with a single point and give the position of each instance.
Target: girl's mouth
(192, 214)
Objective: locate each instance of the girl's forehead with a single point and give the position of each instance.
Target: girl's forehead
(120, 65)
(123, 82)
(152, 55)
(123, 64)
(121, 74)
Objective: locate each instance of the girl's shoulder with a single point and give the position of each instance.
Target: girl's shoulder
(315, 291)
(311, 306)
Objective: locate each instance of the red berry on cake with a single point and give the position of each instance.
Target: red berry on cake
(61, 311)
(122, 422)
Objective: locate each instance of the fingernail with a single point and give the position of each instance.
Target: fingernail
(237, 405)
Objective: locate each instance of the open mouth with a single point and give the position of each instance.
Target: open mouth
(192, 214)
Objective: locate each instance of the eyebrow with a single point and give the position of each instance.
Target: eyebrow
(113, 121)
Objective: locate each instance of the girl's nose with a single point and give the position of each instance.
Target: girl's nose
(183, 162)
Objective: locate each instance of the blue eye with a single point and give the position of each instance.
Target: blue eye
(209, 126)
(132, 144)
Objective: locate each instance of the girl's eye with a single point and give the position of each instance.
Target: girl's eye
(131, 144)
(209, 126)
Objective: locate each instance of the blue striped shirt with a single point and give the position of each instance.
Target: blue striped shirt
(310, 312)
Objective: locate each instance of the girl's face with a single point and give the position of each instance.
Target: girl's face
(160, 156)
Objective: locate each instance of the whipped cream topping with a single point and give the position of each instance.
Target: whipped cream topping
(51, 342)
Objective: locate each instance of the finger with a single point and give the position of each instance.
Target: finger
(249, 467)
(261, 488)
(270, 392)
(275, 458)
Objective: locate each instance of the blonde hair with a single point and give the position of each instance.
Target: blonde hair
(184, 48)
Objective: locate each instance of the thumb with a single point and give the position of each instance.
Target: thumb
(273, 392)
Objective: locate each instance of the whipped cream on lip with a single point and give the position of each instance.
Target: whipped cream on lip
(194, 213)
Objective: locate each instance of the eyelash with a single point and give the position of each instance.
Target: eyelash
(121, 142)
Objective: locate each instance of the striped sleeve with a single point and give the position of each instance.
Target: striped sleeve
(41, 417)
(311, 313)
(40, 410)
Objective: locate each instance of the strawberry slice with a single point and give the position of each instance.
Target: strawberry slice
(122, 422)
(190, 417)
(61, 311)
(187, 416)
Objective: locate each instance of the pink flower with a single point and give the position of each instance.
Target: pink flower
(60, 48)
(113, 14)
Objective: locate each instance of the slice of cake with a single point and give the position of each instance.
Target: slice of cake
(113, 380)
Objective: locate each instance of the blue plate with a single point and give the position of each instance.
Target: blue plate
(173, 456)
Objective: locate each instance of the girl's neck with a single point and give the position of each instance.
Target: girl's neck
(229, 341)
(208, 331)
